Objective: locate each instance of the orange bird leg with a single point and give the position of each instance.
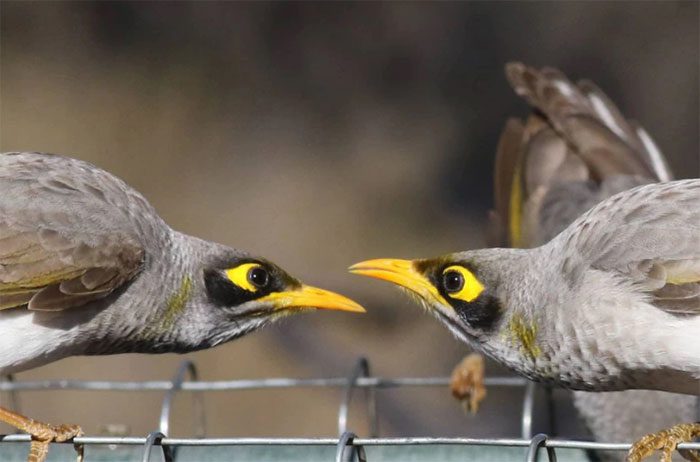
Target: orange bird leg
(42, 434)
(666, 441)
(467, 382)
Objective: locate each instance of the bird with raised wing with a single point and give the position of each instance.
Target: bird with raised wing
(87, 267)
(557, 180)
(612, 302)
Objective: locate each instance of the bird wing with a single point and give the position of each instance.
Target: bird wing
(651, 236)
(573, 151)
(66, 237)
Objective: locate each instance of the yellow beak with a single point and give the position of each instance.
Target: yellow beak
(400, 272)
(311, 297)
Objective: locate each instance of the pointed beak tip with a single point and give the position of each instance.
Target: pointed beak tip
(326, 300)
(341, 305)
(355, 308)
(356, 266)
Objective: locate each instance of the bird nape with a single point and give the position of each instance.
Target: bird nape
(88, 267)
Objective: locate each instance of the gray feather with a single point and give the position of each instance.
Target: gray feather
(16, 299)
(68, 232)
(50, 298)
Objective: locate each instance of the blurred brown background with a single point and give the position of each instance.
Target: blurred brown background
(319, 135)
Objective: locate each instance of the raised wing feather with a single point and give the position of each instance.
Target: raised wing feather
(68, 232)
(651, 235)
(574, 150)
(583, 117)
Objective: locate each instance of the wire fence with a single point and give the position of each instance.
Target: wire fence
(359, 378)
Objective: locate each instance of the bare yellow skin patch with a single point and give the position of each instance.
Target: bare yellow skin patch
(472, 287)
(523, 334)
(239, 276)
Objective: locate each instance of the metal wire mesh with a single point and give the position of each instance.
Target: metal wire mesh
(347, 441)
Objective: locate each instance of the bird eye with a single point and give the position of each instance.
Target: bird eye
(258, 276)
(452, 281)
(249, 276)
(461, 283)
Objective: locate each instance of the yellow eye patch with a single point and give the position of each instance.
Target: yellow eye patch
(460, 283)
(239, 276)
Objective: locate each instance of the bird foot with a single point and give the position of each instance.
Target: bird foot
(666, 441)
(42, 434)
(467, 382)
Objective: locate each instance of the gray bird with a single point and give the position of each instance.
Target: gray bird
(561, 180)
(87, 267)
(610, 303)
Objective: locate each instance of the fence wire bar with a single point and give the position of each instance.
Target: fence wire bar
(405, 441)
(245, 384)
(155, 438)
(528, 411)
(345, 440)
(346, 443)
(539, 441)
(361, 369)
(185, 367)
(13, 398)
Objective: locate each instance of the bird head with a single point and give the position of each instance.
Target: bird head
(234, 293)
(460, 289)
(254, 286)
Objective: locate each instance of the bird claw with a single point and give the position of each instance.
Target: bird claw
(467, 382)
(666, 441)
(43, 434)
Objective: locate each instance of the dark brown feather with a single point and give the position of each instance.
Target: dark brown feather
(51, 298)
(574, 136)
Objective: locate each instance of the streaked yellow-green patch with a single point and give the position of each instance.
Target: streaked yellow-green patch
(176, 302)
(523, 335)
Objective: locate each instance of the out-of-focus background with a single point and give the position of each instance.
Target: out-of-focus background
(319, 134)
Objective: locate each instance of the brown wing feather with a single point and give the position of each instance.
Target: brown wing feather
(572, 152)
(67, 235)
(679, 299)
(11, 300)
(46, 277)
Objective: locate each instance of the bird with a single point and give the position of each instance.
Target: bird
(612, 302)
(87, 267)
(560, 184)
